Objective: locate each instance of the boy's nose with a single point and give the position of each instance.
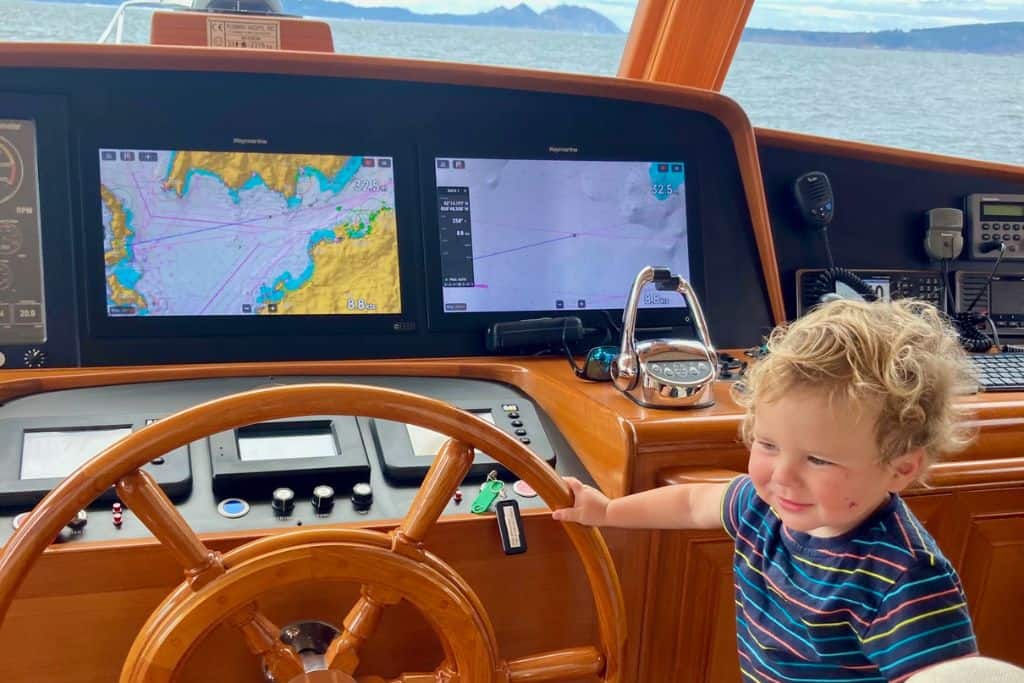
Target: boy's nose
(785, 473)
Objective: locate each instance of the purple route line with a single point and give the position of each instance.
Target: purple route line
(525, 246)
(197, 231)
(142, 195)
(216, 224)
(574, 233)
(226, 281)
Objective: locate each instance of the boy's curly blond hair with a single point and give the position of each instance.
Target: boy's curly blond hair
(899, 358)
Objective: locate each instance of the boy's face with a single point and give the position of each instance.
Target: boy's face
(818, 465)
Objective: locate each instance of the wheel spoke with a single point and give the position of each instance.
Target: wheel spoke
(263, 638)
(343, 652)
(432, 677)
(558, 665)
(450, 467)
(146, 499)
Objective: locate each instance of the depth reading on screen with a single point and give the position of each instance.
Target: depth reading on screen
(548, 235)
(286, 441)
(427, 442)
(56, 454)
(202, 233)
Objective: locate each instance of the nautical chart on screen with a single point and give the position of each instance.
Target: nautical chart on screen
(548, 235)
(201, 233)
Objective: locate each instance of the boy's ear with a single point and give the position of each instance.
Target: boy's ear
(906, 469)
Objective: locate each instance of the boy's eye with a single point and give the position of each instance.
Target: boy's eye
(817, 461)
(767, 445)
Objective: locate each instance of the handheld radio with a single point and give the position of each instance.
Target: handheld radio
(665, 373)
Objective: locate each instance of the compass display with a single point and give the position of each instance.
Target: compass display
(10, 170)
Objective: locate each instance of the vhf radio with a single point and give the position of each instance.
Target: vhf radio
(996, 218)
(1002, 299)
(886, 284)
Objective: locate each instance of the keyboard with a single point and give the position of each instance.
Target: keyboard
(1000, 371)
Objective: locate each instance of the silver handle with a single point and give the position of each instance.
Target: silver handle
(627, 364)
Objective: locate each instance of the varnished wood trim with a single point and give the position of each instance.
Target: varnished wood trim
(695, 475)
(888, 155)
(622, 445)
(688, 42)
(164, 58)
(944, 476)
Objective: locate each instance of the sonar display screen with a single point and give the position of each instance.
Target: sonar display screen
(549, 235)
(201, 233)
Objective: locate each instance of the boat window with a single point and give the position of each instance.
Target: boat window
(941, 77)
(576, 36)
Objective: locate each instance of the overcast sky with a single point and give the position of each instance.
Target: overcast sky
(819, 15)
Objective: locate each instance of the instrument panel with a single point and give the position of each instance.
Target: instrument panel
(372, 467)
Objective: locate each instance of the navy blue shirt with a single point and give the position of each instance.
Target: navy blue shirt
(877, 603)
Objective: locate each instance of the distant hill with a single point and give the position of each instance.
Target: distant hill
(560, 18)
(1001, 39)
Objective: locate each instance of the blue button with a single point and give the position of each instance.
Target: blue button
(232, 508)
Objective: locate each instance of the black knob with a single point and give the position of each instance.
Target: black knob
(362, 497)
(35, 358)
(283, 501)
(323, 499)
(79, 521)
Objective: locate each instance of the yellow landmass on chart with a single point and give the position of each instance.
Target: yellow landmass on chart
(122, 296)
(356, 274)
(118, 227)
(120, 232)
(279, 172)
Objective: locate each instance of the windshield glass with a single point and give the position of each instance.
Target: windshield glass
(569, 38)
(943, 76)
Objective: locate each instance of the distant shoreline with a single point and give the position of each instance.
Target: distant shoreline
(1005, 38)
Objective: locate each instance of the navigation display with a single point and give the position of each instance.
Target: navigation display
(201, 233)
(547, 235)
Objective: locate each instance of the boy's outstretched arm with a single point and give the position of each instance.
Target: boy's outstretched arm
(683, 506)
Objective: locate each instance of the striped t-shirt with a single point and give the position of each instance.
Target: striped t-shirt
(877, 603)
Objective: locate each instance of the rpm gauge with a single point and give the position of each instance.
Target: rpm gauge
(10, 238)
(10, 170)
(6, 277)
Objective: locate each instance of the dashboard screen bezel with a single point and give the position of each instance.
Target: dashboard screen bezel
(674, 316)
(102, 325)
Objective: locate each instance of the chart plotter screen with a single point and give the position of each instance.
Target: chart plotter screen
(549, 235)
(206, 233)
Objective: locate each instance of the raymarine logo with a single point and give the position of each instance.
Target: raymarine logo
(249, 141)
(564, 150)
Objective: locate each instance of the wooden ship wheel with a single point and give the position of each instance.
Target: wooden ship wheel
(391, 567)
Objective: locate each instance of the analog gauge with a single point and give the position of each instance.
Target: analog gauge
(10, 238)
(10, 170)
(6, 276)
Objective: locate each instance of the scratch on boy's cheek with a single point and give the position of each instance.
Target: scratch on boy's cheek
(852, 505)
